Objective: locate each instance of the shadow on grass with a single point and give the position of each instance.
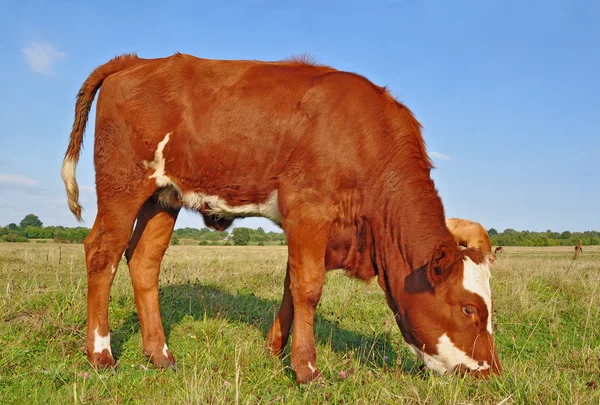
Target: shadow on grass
(181, 300)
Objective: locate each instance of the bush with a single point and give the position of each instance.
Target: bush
(60, 236)
(11, 237)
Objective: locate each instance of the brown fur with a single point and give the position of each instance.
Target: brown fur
(348, 163)
(578, 249)
(470, 234)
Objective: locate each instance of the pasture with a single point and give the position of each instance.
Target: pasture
(218, 303)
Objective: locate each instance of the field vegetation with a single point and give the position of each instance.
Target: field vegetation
(218, 302)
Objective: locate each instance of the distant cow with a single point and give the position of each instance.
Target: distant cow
(470, 234)
(329, 156)
(499, 249)
(578, 249)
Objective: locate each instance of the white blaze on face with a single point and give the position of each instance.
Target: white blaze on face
(477, 280)
(101, 343)
(165, 350)
(448, 357)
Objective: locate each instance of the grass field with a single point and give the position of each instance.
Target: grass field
(218, 303)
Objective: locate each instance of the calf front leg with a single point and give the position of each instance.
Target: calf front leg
(307, 241)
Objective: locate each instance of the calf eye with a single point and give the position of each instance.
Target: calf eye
(468, 310)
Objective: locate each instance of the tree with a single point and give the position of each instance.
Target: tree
(492, 232)
(174, 239)
(211, 236)
(241, 236)
(31, 220)
(32, 232)
(12, 227)
(61, 236)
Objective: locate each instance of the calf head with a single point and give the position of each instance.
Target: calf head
(444, 310)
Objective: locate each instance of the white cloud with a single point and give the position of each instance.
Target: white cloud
(438, 155)
(15, 180)
(42, 57)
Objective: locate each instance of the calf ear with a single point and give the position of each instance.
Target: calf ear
(490, 258)
(441, 263)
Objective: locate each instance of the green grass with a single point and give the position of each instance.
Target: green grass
(218, 303)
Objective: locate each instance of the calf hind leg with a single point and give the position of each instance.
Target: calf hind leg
(279, 333)
(104, 247)
(144, 255)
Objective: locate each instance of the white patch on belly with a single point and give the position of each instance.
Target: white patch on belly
(165, 351)
(477, 280)
(448, 357)
(101, 343)
(171, 195)
(158, 164)
(215, 205)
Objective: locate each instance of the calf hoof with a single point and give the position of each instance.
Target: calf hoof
(102, 360)
(162, 359)
(274, 340)
(307, 374)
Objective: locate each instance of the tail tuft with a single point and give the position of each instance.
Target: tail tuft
(68, 176)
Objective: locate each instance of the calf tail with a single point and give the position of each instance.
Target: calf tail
(85, 98)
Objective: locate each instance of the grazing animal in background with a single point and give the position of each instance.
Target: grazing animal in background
(470, 234)
(333, 159)
(499, 249)
(578, 249)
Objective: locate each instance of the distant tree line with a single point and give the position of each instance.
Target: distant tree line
(239, 236)
(511, 237)
(31, 227)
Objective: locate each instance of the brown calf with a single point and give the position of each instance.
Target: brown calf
(470, 234)
(332, 158)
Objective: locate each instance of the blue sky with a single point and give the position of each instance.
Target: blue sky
(508, 91)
